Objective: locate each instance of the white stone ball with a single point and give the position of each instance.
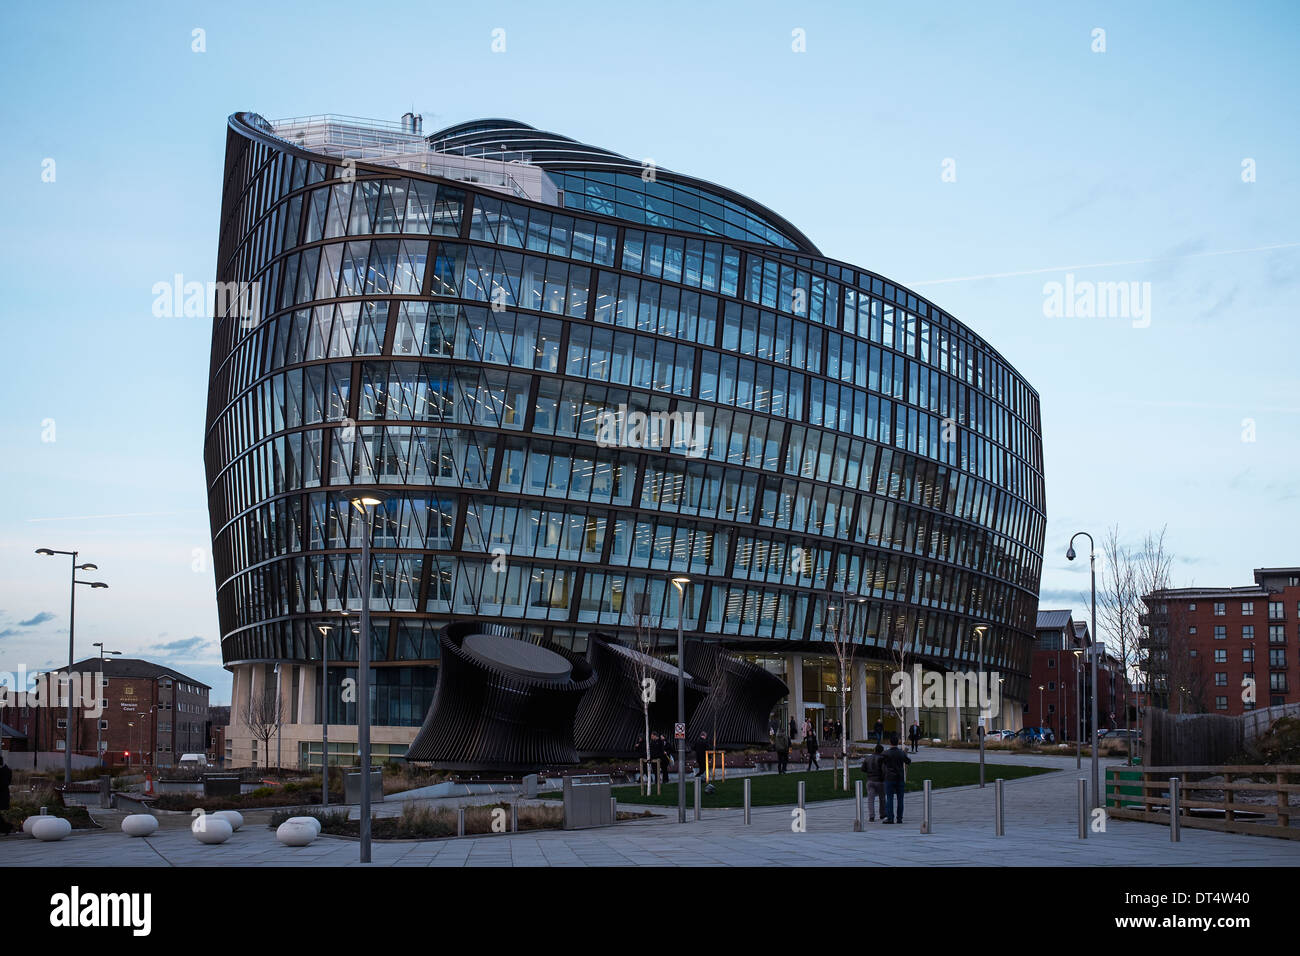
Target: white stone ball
(309, 821)
(295, 834)
(233, 817)
(139, 824)
(211, 829)
(29, 823)
(51, 828)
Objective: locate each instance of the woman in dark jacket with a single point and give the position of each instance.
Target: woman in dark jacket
(810, 744)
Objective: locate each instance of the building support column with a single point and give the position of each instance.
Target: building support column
(860, 700)
(796, 690)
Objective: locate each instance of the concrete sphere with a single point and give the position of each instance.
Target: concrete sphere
(51, 828)
(211, 829)
(29, 823)
(308, 821)
(233, 817)
(140, 824)
(295, 834)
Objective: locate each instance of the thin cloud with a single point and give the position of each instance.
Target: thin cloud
(1105, 265)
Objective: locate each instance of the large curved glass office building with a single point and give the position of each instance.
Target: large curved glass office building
(575, 377)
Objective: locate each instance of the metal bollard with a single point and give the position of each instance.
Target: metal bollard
(613, 809)
(460, 821)
(1000, 808)
(1083, 808)
(1175, 809)
(801, 795)
(697, 799)
(747, 795)
(857, 795)
(514, 818)
(925, 813)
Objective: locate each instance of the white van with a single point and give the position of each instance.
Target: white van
(193, 761)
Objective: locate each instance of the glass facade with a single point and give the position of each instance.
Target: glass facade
(464, 350)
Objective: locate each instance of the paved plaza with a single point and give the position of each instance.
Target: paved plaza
(1041, 830)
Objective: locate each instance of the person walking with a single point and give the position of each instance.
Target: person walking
(782, 752)
(810, 744)
(894, 759)
(6, 778)
(794, 729)
(878, 731)
(874, 769)
(914, 735)
(701, 753)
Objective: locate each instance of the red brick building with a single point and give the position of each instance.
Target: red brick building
(1225, 650)
(151, 712)
(1060, 685)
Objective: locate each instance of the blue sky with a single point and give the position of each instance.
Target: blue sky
(1123, 165)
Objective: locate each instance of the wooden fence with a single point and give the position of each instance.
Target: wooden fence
(1193, 739)
(1142, 793)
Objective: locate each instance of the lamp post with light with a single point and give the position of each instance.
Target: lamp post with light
(99, 677)
(1092, 654)
(680, 583)
(1078, 713)
(979, 686)
(366, 504)
(72, 615)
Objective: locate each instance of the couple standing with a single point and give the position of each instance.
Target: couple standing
(885, 780)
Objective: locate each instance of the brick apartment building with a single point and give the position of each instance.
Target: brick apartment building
(152, 713)
(1060, 683)
(1211, 649)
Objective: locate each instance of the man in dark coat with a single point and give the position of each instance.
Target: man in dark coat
(810, 744)
(914, 735)
(794, 729)
(874, 768)
(894, 759)
(878, 731)
(782, 752)
(701, 752)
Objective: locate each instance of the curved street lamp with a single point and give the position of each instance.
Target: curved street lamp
(1092, 654)
(680, 582)
(72, 616)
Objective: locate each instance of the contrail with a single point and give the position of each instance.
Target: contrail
(133, 514)
(1103, 265)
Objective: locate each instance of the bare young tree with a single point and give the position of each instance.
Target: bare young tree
(1119, 607)
(842, 638)
(262, 716)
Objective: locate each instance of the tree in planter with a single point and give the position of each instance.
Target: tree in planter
(262, 716)
(842, 639)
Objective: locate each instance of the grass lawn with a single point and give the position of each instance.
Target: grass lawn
(769, 790)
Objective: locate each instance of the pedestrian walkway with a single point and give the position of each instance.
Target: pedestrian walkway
(1041, 830)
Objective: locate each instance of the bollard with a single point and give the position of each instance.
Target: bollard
(1000, 822)
(857, 799)
(747, 783)
(697, 798)
(801, 795)
(460, 821)
(925, 813)
(514, 818)
(1175, 809)
(1083, 808)
(613, 809)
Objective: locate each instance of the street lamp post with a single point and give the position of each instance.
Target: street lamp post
(979, 686)
(1040, 706)
(99, 757)
(72, 617)
(1078, 715)
(1092, 654)
(680, 583)
(365, 504)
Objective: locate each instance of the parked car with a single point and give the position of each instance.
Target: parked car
(1000, 735)
(1036, 735)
